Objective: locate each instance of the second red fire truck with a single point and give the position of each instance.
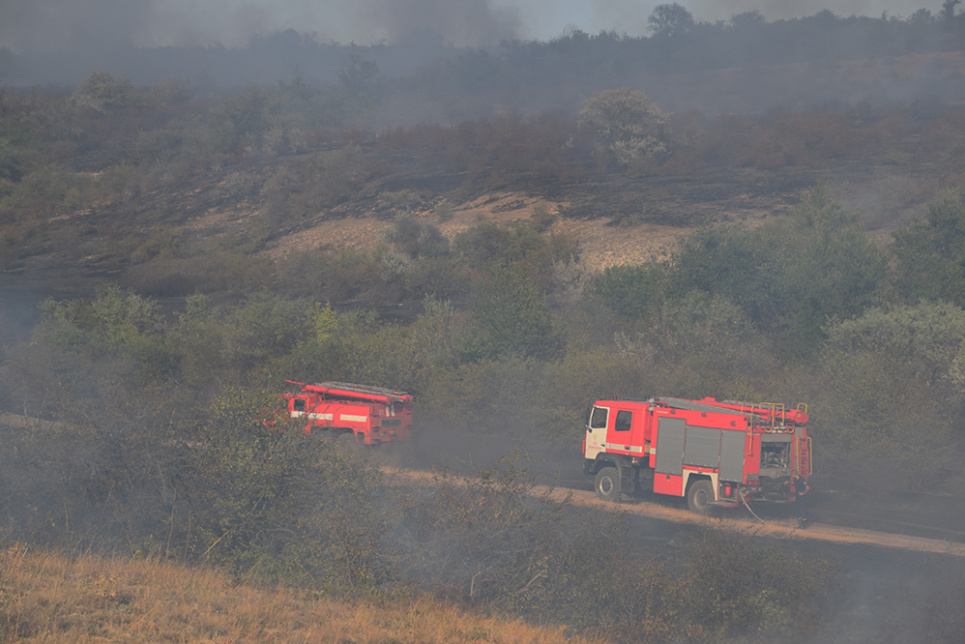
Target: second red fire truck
(715, 453)
(373, 415)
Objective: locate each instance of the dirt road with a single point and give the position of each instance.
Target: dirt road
(770, 527)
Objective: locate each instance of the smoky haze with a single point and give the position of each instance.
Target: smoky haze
(32, 26)
(51, 25)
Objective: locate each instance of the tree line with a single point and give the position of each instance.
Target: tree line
(676, 41)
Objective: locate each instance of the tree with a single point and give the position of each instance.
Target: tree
(511, 319)
(747, 20)
(930, 255)
(924, 342)
(360, 78)
(519, 245)
(414, 238)
(631, 291)
(669, 20)
(697, 329)
(948, 9)
(103, 93)
(627, 123)
(244, 118)
(894, 378)
(490, 538)
(791, 276)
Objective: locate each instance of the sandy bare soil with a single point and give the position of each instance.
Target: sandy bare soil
(601, 243)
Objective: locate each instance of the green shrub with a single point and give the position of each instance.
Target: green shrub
(511, 318)
(930, 254)
(277, 505)
(893, 382)
(735, 587)
(631, 291)
(791, 276)
(485, 538)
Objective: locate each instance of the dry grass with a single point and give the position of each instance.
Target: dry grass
(51, 598)
(602, 245)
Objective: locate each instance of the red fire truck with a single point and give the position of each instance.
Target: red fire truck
(716, 453)
(374, 415)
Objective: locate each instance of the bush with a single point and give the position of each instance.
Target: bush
(893, 380)
(409, 236)
(278, 505)
(511, 318)
(573, 383)
(930, 254)
(737, 588)
(631, 291)
(705, 343)
(487, 396)
(627, 124)
(791, 276)
(485, 540)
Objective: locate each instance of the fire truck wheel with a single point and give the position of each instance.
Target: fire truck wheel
(607, 484)
(699, 496)
(345, 440)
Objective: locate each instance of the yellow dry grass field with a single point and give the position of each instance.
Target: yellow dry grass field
(52, 598)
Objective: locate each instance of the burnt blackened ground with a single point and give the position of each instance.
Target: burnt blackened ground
(921, 514)
(890, 595)
(882, 594)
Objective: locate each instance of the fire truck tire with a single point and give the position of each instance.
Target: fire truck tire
(346, 439)
(699, 496)
(607, 484)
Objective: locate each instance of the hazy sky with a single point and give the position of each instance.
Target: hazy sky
(38, 25)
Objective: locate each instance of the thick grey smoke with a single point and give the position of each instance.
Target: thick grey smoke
(50, 25)
(28, 26)
(55, 24)
(462, 22)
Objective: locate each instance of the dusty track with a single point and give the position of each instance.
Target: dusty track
(773, 528)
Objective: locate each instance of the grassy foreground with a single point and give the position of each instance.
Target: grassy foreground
(52, 598)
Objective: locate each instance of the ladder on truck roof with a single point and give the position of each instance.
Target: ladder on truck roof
(359, 392)
(694, 405)
(773, 416)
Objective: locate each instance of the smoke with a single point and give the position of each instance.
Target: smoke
(28, 26)
(18, 314)
(464, 23)
(32, 26)
(50, 25)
